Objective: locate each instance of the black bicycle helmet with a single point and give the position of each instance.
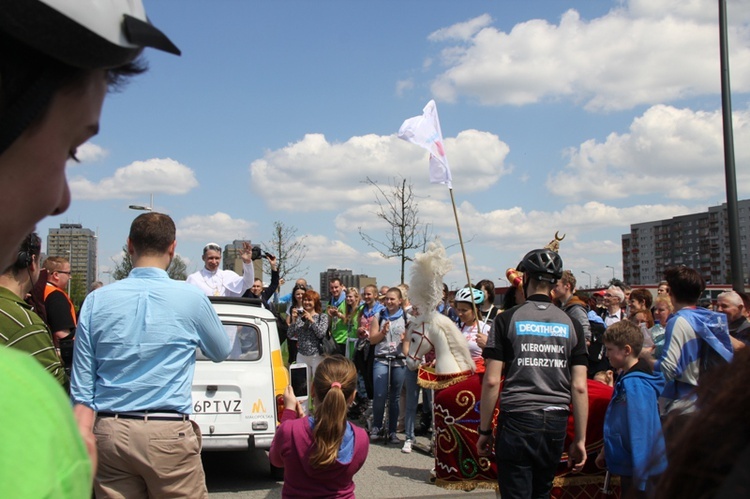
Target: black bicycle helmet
(542, 263)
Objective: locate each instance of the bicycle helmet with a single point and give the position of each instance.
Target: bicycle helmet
(56, 38)
(543, 264)
(87, 34)
(464, 295)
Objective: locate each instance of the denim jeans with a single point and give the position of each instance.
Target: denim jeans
(412, 400)
(380, 384)
(528, 450)
(427, 396)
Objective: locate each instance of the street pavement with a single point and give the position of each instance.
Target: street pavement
(387, 473)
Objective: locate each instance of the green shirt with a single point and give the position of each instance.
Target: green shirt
(21, 328)
(43, 454)
(339, 328)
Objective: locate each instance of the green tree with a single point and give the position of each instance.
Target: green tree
(124, 266)
(177, 269)
(77, 290)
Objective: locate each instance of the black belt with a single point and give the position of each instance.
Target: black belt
(146, 415)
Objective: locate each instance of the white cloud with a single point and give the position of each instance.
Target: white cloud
(676, 153)
(88, 153)
(322, 249)
(403, 85)
(217, 227)
(461, 31)
(153, 176)
(514, 228)
(320, 175)
(334, 253)
(645, 53)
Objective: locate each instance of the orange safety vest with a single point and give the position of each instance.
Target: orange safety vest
(49, 288)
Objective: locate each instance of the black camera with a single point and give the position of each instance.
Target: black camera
(258, 253)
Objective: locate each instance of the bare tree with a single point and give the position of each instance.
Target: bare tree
(398, 208)
(289, 250)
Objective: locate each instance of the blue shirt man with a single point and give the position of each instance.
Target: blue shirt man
(133, 370)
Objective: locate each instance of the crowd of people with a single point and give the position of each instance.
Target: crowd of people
(651, 349)
(675, 427)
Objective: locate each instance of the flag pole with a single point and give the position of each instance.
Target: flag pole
(463, 254)
(425, 132)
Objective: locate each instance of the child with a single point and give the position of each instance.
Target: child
(322, 452)
(633, 441)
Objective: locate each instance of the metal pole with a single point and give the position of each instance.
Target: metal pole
(613, 271)
(735, 251)
(463, 252)
(584, 272)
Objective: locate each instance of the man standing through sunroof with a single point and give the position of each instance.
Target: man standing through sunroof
(217, 282)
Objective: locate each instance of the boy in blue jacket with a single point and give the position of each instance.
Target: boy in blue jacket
(633, 440)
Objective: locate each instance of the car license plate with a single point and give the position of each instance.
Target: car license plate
(233, 406)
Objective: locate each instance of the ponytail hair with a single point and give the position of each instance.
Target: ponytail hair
(334, 384)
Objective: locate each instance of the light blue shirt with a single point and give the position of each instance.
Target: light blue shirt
(135, 344)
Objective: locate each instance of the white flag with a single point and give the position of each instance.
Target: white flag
(425, 132)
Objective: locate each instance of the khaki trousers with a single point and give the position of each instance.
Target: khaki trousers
(149, 459)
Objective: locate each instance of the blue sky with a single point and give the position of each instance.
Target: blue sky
(574, 116)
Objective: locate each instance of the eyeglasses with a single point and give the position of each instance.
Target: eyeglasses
(607, 295)
(63, 272)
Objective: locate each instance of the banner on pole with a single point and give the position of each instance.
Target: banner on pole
(425, 132)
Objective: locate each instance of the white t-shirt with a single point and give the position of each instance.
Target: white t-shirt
(470, 333)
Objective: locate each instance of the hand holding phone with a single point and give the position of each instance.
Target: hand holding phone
(290, 401)
(298, 373)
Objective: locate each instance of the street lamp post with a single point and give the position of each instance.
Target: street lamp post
(584, 272)
(504, 279)
(140, 207)
(613, 271)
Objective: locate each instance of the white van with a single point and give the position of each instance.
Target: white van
(238, 402)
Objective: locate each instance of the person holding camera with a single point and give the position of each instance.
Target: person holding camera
(258, 291)
(309, 325)
(217, 282)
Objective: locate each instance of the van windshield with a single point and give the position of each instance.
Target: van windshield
(245, 341)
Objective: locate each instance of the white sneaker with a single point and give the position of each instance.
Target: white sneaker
(406, 449)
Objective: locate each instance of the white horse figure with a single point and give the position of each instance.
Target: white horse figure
(439, 333)
(457, 466)
(428, 328)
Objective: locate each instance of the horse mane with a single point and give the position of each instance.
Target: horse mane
(459, 347)
(427, 272)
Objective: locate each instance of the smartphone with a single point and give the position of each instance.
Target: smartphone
(299, 373)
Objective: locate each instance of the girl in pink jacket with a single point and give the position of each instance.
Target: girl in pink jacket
(321, 453)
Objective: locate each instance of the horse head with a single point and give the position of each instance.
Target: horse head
(437, 331)
(420, 343)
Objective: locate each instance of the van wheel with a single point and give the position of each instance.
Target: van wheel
(277, 473)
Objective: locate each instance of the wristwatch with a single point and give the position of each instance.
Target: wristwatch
(485, 433)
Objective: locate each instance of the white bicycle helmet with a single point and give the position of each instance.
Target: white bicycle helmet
(464, 295)
(88, 34)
